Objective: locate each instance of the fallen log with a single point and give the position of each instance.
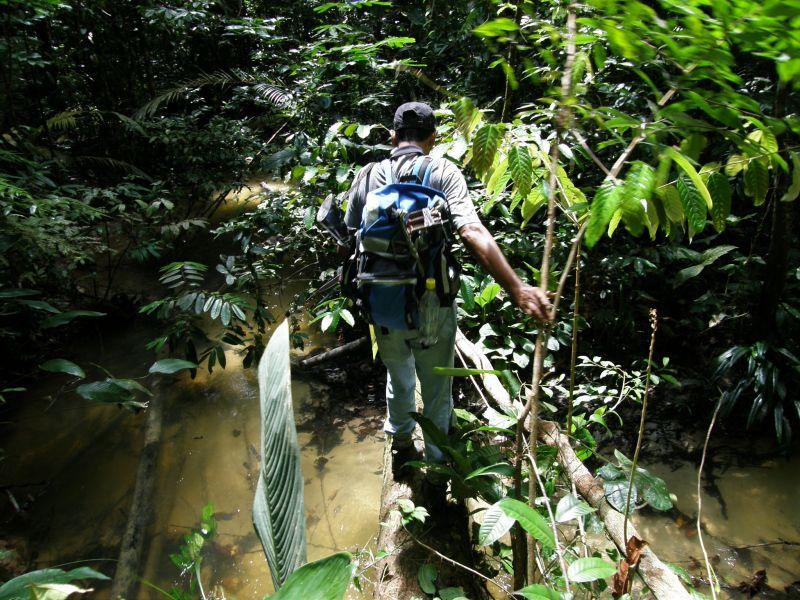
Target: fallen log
(126, 577)
(397, 573)
(334, 353)
(664, 584)
(662, 581)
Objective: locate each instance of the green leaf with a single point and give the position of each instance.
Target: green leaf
(535, 200)
(484, 147)
(66, 317)
(690, 171)
(530, 520)
(463, 372)
(671, 199)
(495, 525)
(467, 116)
(734, 164)
(168, 366)
(794, 187)
(720, 189)
(363, 131)
(278, 509)
(452, 593)
(19, 587)
(324, 579)
(570, 507)
(605, 203)
(539, 592)
(521, 166)
(589, 569)
(60, 365)
(426, 575)
(693, 206)
(496, 27)
(756, 181)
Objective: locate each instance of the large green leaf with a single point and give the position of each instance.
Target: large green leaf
(693, 205)
(67, 317)
(530, 520)
(720, 189)
(756, 181)
(590, 568)
(168, 366)
(61, 365)
(324, 579)
(605, 204)
(467, 116)
(19, 588)
(521, 166)
(570, 507)
(794, 187)
(278, 510)
(484, 147)
(636, 192)
(693, 175)
(539, 592)
(495, 525)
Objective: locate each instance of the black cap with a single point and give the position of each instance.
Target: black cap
(414, 115)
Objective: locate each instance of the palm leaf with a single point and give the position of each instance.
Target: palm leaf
(278, 512)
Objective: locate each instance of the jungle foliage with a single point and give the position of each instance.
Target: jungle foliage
(125, 126)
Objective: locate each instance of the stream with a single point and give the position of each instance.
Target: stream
(78, 462)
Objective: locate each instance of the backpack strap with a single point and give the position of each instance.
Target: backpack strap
(426, 165)
(387, 171)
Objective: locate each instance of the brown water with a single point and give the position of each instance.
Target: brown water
(87, 456)
(750, 519)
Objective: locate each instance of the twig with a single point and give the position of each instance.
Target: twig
(585, 145)
(423, 78)
(574, 355)
(653, 327)
(454, 562)
(712, 578)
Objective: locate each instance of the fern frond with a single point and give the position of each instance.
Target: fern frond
(277, 96)
(111, 163)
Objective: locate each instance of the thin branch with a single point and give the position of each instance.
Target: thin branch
(585, 145)
(712, 578)
(454, 562)
(559, 552)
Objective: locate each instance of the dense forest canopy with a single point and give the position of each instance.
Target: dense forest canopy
(665, 135)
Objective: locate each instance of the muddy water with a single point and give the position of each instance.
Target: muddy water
(750, 518)
(88, 456)
(82, 459)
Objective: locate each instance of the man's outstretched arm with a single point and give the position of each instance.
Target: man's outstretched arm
(530, 300)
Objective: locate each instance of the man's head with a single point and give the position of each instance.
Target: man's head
(414, 123)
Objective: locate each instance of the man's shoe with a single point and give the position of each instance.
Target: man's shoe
(403, 451)
(434, 493)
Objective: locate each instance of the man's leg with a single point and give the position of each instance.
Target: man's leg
(437, 396)
(400, 382)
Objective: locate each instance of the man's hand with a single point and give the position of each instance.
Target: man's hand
(532, 301)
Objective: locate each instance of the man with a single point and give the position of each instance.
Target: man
(413, 136)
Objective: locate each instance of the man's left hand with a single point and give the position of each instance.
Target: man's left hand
(532, 301)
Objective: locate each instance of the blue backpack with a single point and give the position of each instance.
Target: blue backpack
(404, 238)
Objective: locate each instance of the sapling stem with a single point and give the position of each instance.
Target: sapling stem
(653, 328)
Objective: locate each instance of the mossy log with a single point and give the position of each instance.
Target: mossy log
(664, 584)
